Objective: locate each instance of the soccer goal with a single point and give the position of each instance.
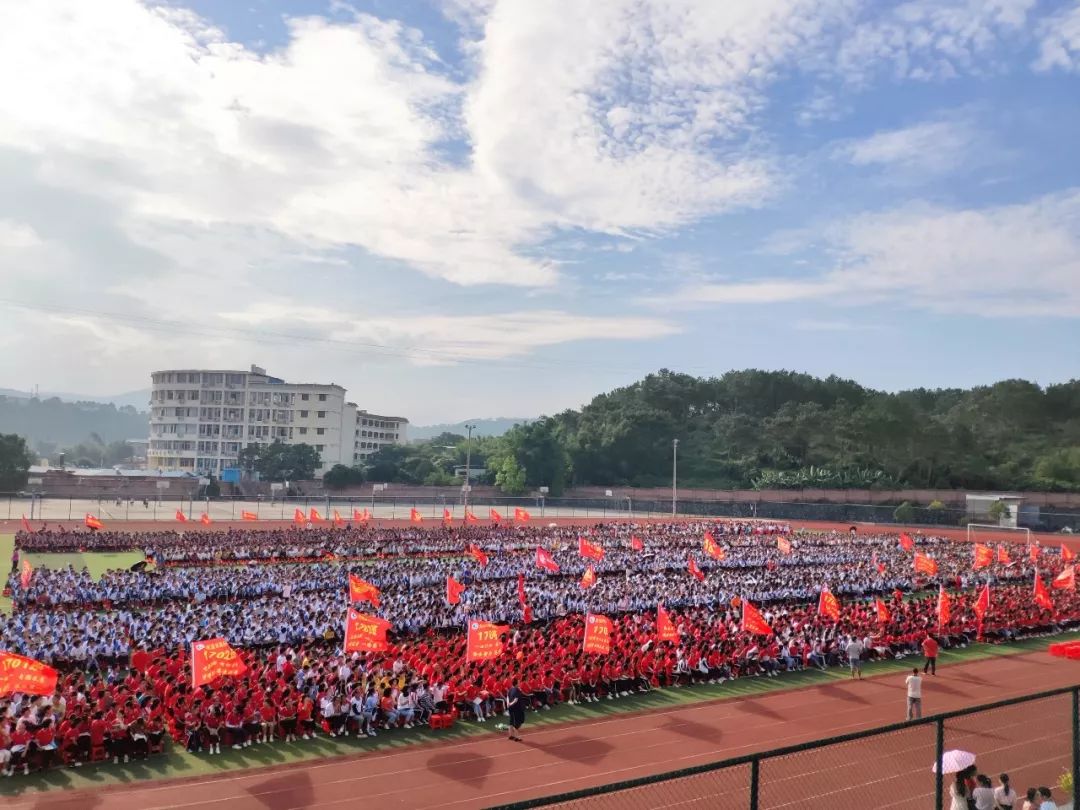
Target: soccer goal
(986, 531)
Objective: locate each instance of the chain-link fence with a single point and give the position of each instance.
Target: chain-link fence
(123, 507)
(1035, 739)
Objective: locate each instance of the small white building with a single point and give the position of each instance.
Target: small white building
(1017, 513)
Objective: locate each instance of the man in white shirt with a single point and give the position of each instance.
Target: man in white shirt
(914, 695)
(854, 652)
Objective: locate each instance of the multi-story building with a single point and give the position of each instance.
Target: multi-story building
(200, 420)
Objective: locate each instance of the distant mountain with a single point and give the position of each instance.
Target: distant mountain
(51, 424)
(484, 427)
(139, 400)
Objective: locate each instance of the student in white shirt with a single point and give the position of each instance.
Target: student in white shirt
(1004, 795)
(1047, 803)
(914, 695)
(983, 794)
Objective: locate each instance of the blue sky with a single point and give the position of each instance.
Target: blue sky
(517, 205)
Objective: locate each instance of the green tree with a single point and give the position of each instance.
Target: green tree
(339, 476)
(280, 462)
(997, 511)
(904, 513)
(15, 462)
(510, 477)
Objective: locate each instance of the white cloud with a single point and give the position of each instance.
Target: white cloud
(934, 147)
(1016, 260)
(17, 235)
(1059, 46)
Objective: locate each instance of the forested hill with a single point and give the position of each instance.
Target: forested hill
(785, 429)
(48, 424)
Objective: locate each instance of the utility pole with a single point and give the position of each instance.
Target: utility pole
(674, 475)
(468, 463)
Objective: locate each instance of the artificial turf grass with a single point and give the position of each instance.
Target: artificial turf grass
(177, 763)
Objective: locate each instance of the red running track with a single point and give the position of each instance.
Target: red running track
(489, 770)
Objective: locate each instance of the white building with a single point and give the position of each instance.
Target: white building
(200, 420)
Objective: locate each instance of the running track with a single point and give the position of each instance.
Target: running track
(1030, 741)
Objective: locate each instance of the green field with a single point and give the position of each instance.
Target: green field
(177, 763)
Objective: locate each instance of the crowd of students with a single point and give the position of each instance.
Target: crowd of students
(121, 643)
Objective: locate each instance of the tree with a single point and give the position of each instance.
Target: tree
(997, 511)
(15, 462)
(339, 476)
(510, 478)
(904, 513)
(280, 462)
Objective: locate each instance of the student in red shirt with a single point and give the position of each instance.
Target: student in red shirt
(930, 650)
(45, 742)
(20, 742)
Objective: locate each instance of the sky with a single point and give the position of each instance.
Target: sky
(477, 208)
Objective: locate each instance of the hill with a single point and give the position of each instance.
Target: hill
(484, 427)
(50, 424)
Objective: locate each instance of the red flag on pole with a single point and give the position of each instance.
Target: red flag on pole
(181, 517)
(494, 515)
(204, 519)
(589, 579)
(364, 633)
(829, 605)
(665, 628)
(447, 518)
(248, 516)
(361, 591)
(636, 543)
(546, 561)
(521, 590)
(26, 574)
(521, 516)
(454, 590)
(1042, 596)
(753, 621)
(591, 551)
(93, 523)
(470, 518)
(983, 556)
(299, 518)
(1066, 580)
(944, 608)
(982, 604)
(1033, 552)
(1067, 554)
(882, 611)
(1003, 555)
(597, 634)
(477, 554)
(712, 548)
(483, 640)
(26, 524)
(925, 565)
(784, 545)
(212, 659)
(415, 517)
(314, 515)
(361, 517)
(695, 572)
(906, 543)
(339, 521)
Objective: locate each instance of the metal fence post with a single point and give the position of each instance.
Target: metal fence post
(1075, 742)
(939, 755)
(755, 777)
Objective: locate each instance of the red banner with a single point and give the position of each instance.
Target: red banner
(299, 518)
(361, 591)
(248, 516)
(484, 641)
(93, 523)
(637, 544)
(925, 565)
(521, 516)
(546, 561)
(589, 579)
(753, 621)
(784, 545)
(982, 604)
(983, 556)
(521, 590)
(1066, 580)
(477, 554)
(1003, 555)
(212, 659)
(415, 517)
(25, 675)
(665, 628)
(590, 551)
(829, 605)
(1042, 596)
(314, 516)
(365, 633)
(712, 548)
(454, 590)
(882, 611)
(181, 517)
(906, 543)
(26, 574)
(944, 608)
(597, 634)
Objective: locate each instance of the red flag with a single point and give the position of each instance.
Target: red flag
(906, 543)
(695, 572)
(447, 518)
(365, 633)
(25, 675)
(93, 523)
(784, 545)
(882, 611)
(591, 551)
(526, 614)
(589, 579)
(314, 515)
(753, 621)
(339, 521)
(204, 519)
(1033, 552)
(470, 518)
(181, 517)
(925, 565)
(454, 590)
(521, 516)
(829, 605)
(1066, 580)
(361, 591)
(299, 518)
(495, 516)
(712, 548)
(1003, 555)
(546, 561)
(477, 554)
(248, 516)
(982, 604)
(26, 525)
(983, 556)
(665, 628)
(212, 659)
(944, 609)
(415, 516)
(521, 590)
(26, 574)
(484, 641)
(1042, 596)
(1067, 554)
(636, 543)
(597, 634)
(361, 517)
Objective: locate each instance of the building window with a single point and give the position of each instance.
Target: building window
(322, 397)
(303, 431)
(319, 447)
(303, 414)
(322, 414)
(320, 431)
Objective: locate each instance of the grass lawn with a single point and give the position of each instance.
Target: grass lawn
(178, 763)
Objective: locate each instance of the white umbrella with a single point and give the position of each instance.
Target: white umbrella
(955, 761)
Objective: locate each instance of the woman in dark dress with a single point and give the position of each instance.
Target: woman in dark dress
(515, 705)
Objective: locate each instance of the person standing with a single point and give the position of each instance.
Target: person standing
(1004, 795)
(854, 652)
(515, 706)
(930, 650)
(914, 695)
